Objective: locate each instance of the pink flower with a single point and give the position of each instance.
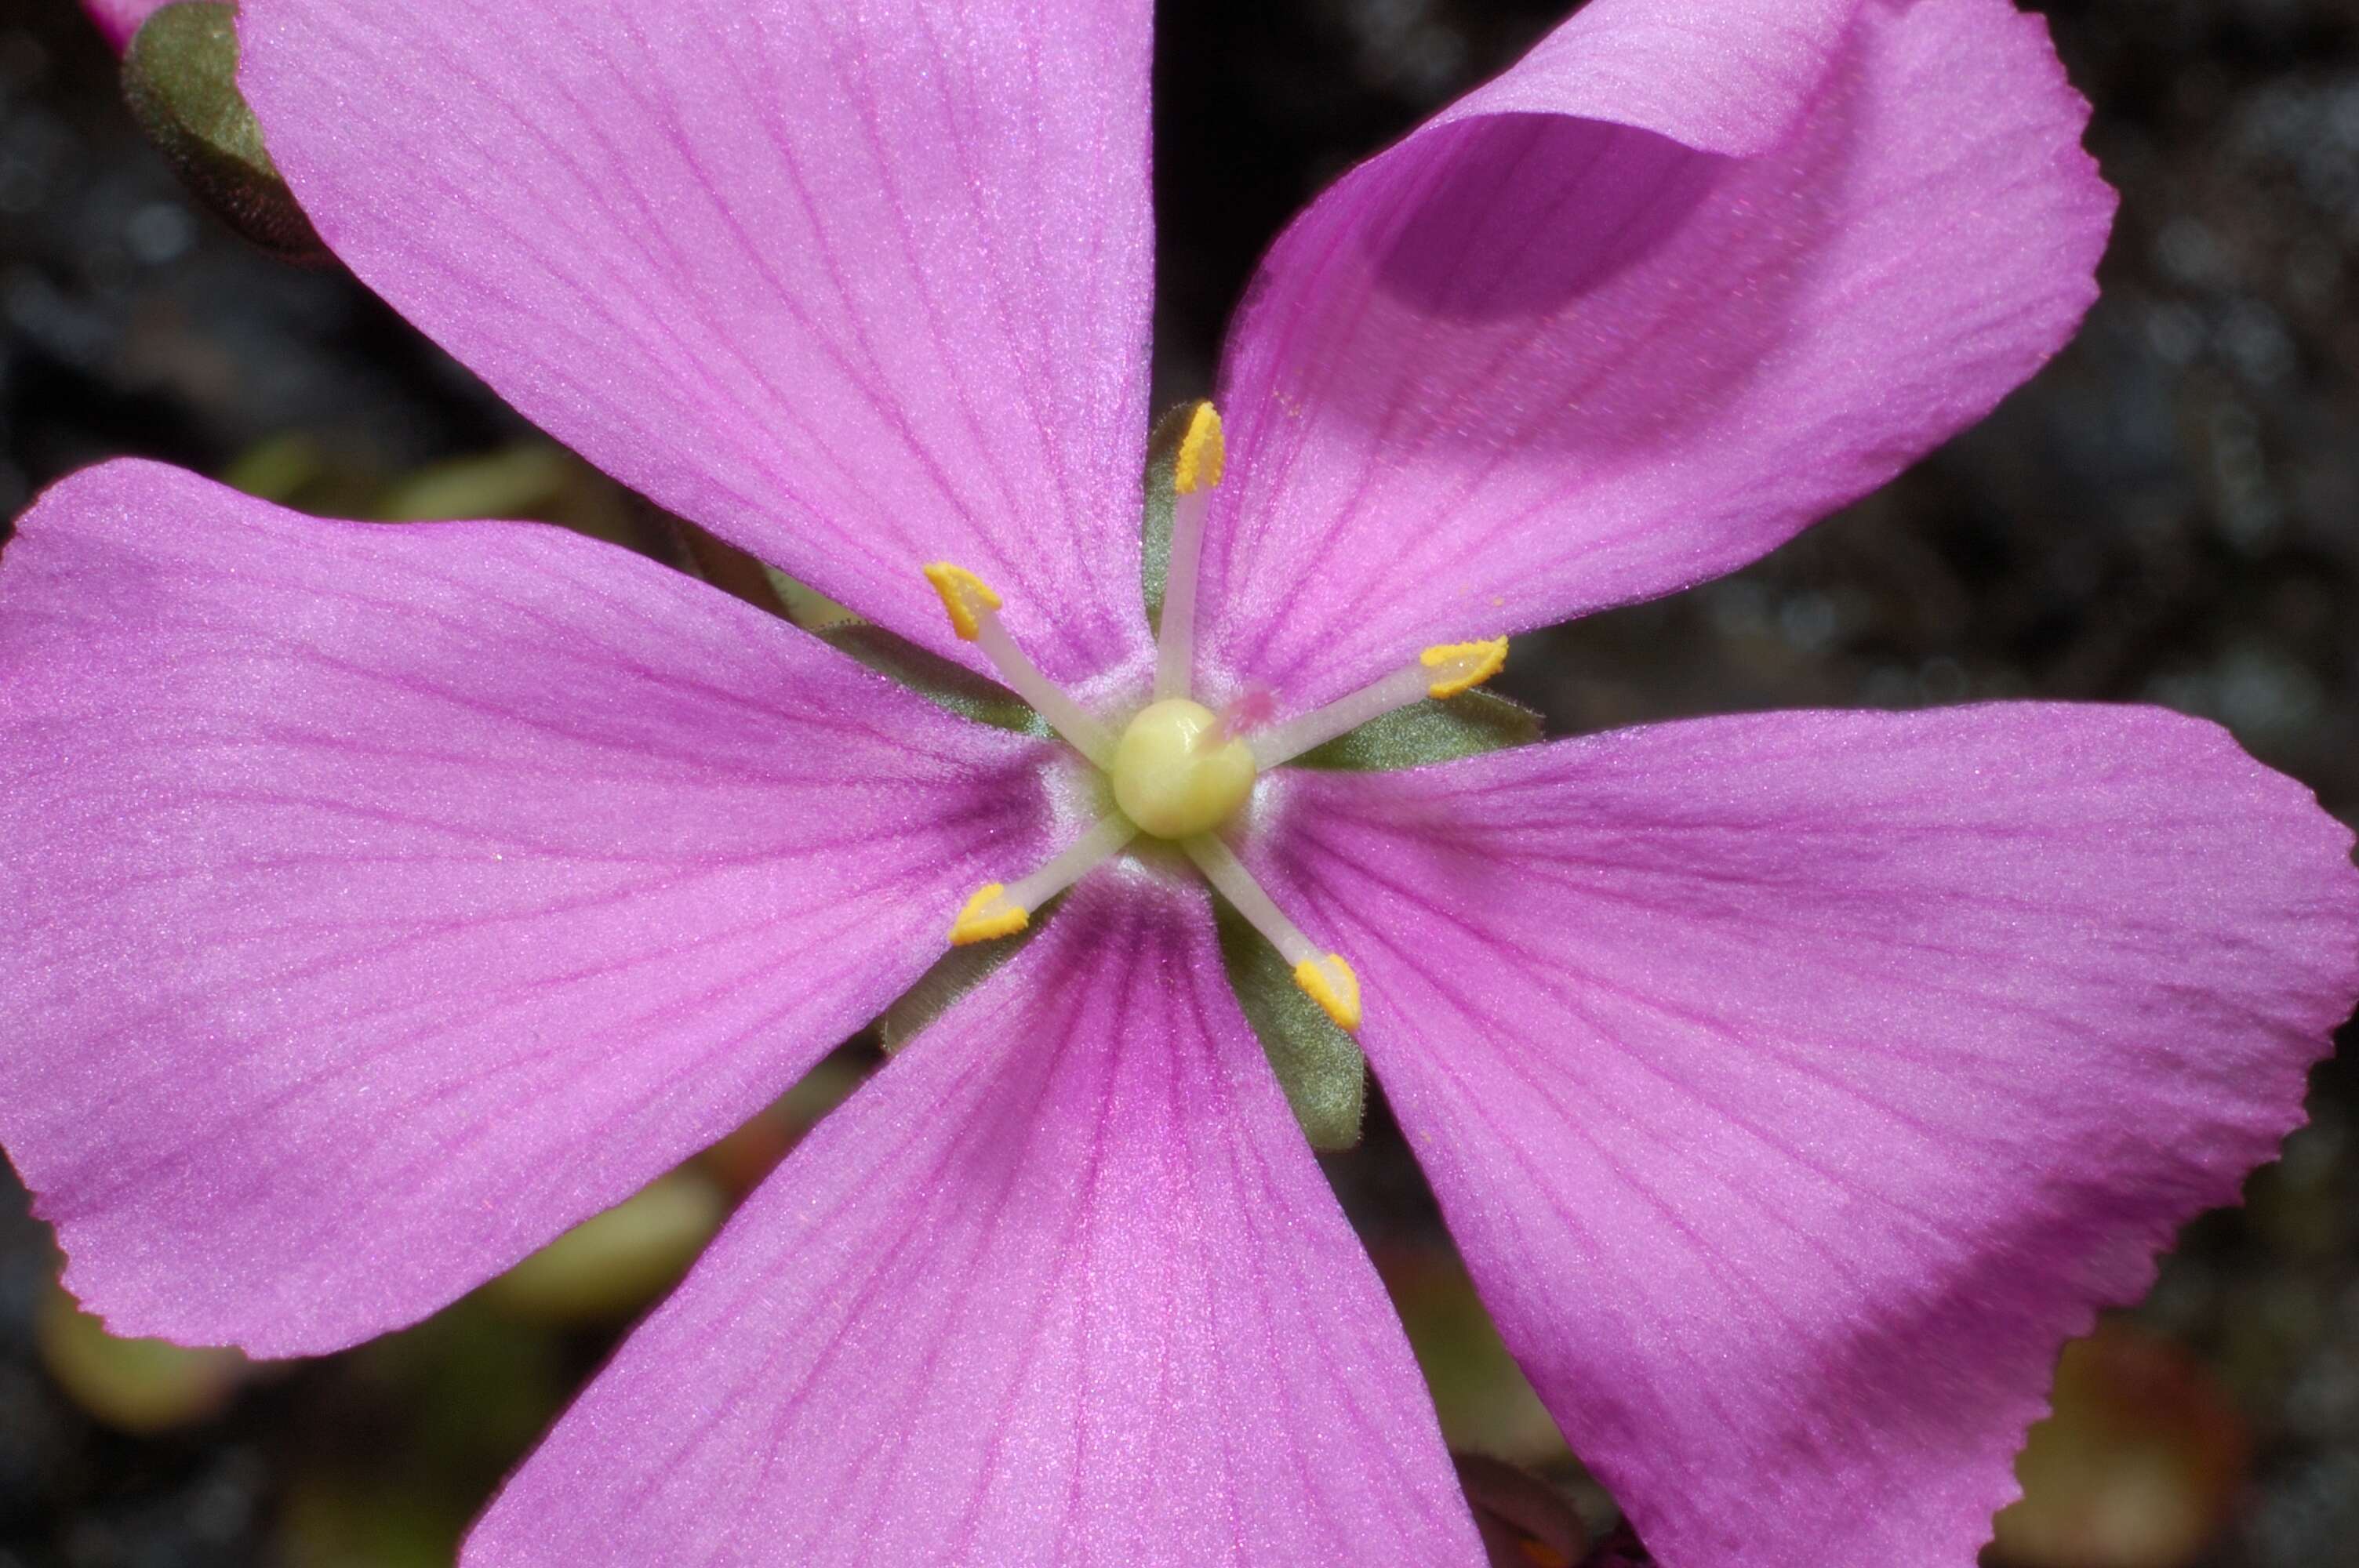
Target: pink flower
(387, 900)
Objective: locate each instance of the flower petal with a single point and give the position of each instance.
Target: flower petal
(1730, 76)
(118, 19)
(385, 898)
(1796, 1084)
(1061, 1285)
(1556, 351)
(857, 287)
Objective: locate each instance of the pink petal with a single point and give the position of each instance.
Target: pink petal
(385, 899)
(1730, 76)
(1796, 1084)
(1555, 352)
(118, 19)
(858, 286)
(1063, 1284)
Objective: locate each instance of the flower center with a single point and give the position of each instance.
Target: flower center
(1178, 771)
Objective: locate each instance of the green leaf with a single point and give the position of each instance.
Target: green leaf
(955, 973)
(1155, 524)
(934, 677)
(1323, 1075)
(1434, 730)
(180, 76)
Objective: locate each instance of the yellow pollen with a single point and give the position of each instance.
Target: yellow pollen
(1543, 1555)
(966, 597)
(1177, 772)
(1462, 666)
(1204, 452)
(1330, 983)
(987, 916)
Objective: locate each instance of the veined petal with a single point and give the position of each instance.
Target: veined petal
(1556, 351)
(1796, 1084)
(856, 285)
(1062, 1285)
(385, 898)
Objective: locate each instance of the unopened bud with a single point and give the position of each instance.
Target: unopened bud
(180, 76)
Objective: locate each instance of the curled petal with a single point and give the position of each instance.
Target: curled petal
(855, 286)
(1559, 350)
(1062, 1285)
(1796, 1084)
(1729, 76)
(385, 898)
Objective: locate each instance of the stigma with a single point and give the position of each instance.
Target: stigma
(1177, 772)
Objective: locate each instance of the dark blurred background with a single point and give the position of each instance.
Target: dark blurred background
(2169, 514)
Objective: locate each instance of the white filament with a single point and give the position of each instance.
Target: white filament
(1066, 717)
(1078, 859)
(1283, 743)
(1225, 871)
(1176, 642)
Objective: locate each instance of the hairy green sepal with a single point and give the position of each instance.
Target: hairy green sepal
(1155, 524)
(180, 76)
(1323, 1075)
(1439, 729)
(953, 975)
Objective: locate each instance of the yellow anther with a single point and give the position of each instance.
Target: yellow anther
(988, 915)
(1462, 666)
(1203, 453)
(1330, 983)
(966, 597)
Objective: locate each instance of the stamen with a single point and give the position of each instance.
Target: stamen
(1330, 982)
(1001, 910)
(988, 915)
(1443, 670)
(1203, 456)
(1462, 666)
(1325, 978)
(973, 609)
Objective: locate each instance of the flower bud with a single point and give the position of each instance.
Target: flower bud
(180, 76)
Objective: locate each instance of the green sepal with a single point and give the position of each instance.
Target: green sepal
(955, 973)
(1323, 1075)
(180, 76)
(1155, 523)
(934, 677)
(1438, 729)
